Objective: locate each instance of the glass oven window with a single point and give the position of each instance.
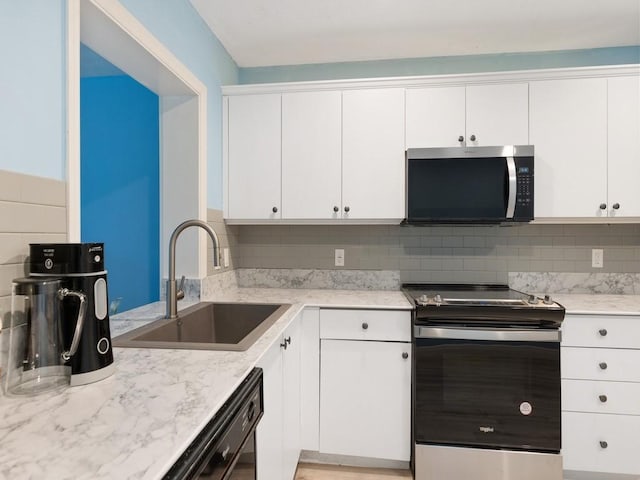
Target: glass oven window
(485, 393)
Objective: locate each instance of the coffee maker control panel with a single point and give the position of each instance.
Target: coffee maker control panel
(65, 258)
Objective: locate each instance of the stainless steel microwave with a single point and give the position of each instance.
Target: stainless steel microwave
(469, 184)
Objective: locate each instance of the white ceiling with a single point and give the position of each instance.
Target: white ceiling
(291, 32)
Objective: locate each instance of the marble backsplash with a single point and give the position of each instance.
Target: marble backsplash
(594, 283)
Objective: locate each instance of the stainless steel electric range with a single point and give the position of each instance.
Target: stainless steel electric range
(486, 383)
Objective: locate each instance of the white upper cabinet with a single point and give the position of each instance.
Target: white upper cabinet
(311, 155)
(485, 115)
(568, 121)
(254, 148)
(624, 147)
(373, 154)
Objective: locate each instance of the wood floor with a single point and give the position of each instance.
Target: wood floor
(312, 471)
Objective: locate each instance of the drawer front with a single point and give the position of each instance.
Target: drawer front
(385, 325)
(616, 365)
(582, 434)
(607, 331)
(601, 397)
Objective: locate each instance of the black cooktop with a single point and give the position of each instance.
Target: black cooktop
(486, 304)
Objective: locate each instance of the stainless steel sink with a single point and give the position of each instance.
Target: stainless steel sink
(207, 326)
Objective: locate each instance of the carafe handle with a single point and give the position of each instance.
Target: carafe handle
(62, 293)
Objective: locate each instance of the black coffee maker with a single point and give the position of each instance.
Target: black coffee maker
(80, 267)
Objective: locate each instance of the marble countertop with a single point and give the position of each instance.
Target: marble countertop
(599, 304)
(136, 423)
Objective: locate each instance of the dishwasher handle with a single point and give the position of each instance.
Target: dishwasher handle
(496, 335)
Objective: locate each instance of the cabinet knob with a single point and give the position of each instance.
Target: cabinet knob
(472, 138)
(603, 398)
(336, 209)
(283, 345)
(603, 206)
(603, 444)
(603, 332)
(346, 209)
(616, 206)
(461, 138)
(405, 355)
(603, 366)
(274, 209)
(288, 340)
(365, 325)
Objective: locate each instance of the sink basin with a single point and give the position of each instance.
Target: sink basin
(207, 326)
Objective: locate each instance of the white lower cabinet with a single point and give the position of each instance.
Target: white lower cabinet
(600, 394)
(365, 386)
(278, 433)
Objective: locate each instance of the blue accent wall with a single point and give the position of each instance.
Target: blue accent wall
(442, 65)
(120, 184)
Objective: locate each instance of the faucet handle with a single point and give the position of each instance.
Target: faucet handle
(180, 292)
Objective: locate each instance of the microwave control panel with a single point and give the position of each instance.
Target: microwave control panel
(524, 187)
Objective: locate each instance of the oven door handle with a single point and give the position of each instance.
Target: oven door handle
(488, 334)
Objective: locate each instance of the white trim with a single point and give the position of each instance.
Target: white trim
(435, 80)
(73, 121)
(113, 32)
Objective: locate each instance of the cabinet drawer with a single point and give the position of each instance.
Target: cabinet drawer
(608, 331)
(601, 397)
(617, 365)
(385, 325)
(582, 434)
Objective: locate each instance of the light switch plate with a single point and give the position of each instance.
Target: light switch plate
(597, 258)
(225, 256)
(339, 256)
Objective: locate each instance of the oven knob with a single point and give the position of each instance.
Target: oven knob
(533, 300)
(547, 300)
(438, 299)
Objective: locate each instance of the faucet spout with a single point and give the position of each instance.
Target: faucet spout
(172, 289)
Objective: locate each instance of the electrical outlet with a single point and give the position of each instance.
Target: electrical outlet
(339, 255)
(597, 258)
(225, 256)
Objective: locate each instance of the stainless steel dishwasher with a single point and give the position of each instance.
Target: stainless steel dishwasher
(225, 448)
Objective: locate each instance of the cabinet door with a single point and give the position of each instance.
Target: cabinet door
(498, 114)
(269, 433)
(624, 146)
(291, 400)
(435, 117)
(365, 399)
(568, 120)
(311, 155)
(254, 156)
(373, 154)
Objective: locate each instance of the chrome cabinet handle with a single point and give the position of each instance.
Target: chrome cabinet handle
(616, 206)
(603, 206)
(365, 325)
(603, 444)
(603, 365)
(461, 138)
(405, 355)
(336, 209)
(602, 398)
(472, 138)
(603, 332)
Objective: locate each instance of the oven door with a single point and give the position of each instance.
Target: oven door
(487, 388)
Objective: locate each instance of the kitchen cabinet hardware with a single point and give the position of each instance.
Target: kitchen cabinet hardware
(461, 138)
(346, 209)
(365, 325)
(603, 332)
(602, 398)
(405, 355)
(472, 138)
(336, 209)
(274, 209)
(288, 340)
(284, 344)
(603, 444)
(616, 206)
(603, 365)
(603, 206)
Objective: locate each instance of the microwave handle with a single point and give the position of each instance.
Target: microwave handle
(513, 184)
